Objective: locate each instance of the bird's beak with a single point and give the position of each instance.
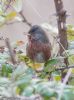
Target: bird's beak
(27, 34)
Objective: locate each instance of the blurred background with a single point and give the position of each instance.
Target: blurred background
(36, 12)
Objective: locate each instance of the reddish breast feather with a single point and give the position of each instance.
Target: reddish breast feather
(35, 49)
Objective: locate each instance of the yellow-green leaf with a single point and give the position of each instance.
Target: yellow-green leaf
(11, 15)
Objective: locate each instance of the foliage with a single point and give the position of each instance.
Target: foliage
(24, 82)
(29, 79)
(70, 32)
(6, 70)
(9, 10)
(3, 58)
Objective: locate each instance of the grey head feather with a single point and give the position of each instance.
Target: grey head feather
(38, 34)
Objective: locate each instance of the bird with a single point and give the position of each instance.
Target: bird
(38, 47)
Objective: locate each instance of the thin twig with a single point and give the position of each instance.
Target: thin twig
(63, 68)
(10, 51)
(25, 20)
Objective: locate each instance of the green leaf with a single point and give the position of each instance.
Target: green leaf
(21, 87)
(19, 71)
(44, 89)
(51, 62)
(30, 71)
(49, 65)
(28, 91)
(4, 81)
(68, 95)
(6, 69)
(23, 80)
(56, 77)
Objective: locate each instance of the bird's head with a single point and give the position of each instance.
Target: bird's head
(36, 33)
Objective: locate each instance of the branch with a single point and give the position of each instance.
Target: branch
(10, 51)
(25, 20)
(63, 68)
(61, 21)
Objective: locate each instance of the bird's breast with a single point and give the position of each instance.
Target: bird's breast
(38, 52)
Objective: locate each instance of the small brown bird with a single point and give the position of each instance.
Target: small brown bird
(39, 46)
